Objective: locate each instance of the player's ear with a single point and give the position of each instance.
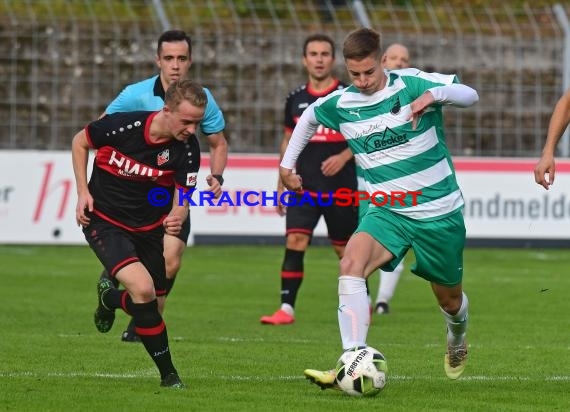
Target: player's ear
(157, 60)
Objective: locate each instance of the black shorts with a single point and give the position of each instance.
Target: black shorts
(116, 248)
(341, 221)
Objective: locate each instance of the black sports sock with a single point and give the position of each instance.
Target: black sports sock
(112, 298)
(292, 273)
(152, 331)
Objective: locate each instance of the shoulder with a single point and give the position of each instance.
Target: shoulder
(335, 94)
(116, 125)
(302, 89)
(411, 71)
(347, 97)
(211, 104)
(208, 92)
(412, 74)
(127, 120)
(143, 85)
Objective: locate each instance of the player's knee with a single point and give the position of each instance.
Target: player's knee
(143, 293)
(297, 241)
(349, 266)
(450, 303)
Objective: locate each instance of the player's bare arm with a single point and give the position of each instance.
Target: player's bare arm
(218, 160)
(281, 209)
(335, 163)
(290, 180)
(173, 222)
(545, 169)
(80, 157)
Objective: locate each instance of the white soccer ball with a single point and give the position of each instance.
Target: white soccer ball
(362, 371)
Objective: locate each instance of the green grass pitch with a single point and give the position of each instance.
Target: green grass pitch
(53, 359)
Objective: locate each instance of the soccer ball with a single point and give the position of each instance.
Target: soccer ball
(361, 371)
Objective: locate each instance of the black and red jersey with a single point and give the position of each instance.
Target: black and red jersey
(324, 143)
(128, 166)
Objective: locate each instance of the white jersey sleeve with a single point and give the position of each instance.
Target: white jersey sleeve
(304, 130)
(455, 94)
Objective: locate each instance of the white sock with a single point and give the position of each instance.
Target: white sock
(353, 311)
(288, 309)
(457, 324)
(388, 283)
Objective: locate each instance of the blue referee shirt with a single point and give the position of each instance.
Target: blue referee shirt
(149, 95)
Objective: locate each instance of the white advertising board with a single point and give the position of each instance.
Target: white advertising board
(38, 198)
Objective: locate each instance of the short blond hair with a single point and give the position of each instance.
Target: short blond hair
(185, 89)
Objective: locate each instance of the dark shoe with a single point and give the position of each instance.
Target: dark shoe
(105, 275)
(172, 380)
(104, 317)
(130, 335)
(382, 308)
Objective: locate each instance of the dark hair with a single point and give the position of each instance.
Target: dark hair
(318, 37)
(174, 35)
(184, 89)
(361, 43)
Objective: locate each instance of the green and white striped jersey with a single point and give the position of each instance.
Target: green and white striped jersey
(392, 157)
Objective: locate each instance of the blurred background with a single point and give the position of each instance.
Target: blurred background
(61, 62)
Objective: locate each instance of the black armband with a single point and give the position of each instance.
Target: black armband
(219, 178)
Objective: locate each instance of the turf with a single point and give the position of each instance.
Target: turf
(53, 359)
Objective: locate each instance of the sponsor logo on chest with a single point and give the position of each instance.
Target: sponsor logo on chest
(385, 140)
(130, 167)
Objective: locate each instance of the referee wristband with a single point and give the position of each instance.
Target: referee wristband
(219, 178)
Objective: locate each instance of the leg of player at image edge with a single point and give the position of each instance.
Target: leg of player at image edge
(386, 288)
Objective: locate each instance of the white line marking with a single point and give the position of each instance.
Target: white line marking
(151, 373)
(236, 339)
